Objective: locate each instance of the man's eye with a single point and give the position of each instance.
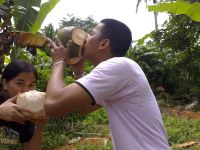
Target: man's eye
(91, 33)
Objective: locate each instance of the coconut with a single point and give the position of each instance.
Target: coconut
(33, 101)
(78, 36)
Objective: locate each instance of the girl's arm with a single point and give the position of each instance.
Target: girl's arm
(36, 141)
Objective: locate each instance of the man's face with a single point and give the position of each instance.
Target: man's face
(92, 43)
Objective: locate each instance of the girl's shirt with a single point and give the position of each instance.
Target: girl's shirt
(12, 134)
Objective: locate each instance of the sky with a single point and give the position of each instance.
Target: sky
(140, 23)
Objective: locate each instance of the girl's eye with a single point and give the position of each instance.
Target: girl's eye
(20, 84)
(33, 85)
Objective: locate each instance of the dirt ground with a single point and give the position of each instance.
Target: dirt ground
(182, 113)
(92, 141)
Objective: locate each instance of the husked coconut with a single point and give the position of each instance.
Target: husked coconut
(78, 36)
(33, 101)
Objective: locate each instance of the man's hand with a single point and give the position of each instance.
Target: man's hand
(9, 111)
(59, 52)
(78, 69)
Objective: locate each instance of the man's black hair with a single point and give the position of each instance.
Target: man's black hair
(119, 34)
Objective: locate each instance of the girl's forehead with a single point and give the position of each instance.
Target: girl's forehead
(26, 76)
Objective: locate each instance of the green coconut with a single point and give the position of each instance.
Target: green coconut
(78, 36)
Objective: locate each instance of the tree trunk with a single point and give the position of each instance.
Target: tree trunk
(156, 20)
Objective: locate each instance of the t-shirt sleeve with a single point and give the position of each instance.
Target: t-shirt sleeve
(27, 132)
(105, 81)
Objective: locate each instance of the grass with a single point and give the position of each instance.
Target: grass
(179, 130)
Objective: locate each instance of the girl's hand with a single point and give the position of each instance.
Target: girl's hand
(9, 111)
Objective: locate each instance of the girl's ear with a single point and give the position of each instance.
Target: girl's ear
(104, 43)
(4, 84)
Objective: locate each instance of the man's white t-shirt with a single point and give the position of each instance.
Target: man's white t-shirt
(121, 87)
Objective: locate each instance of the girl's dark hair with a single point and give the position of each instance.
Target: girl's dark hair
(13, 69)
(17, 67)
(119, 34)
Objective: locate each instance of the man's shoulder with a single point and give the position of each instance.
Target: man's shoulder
(116, 61)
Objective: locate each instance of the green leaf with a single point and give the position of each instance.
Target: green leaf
(6, 59)
(25, 13)
(27, 3)
(3, 13)
(3, 7)
(44, 11)
(2, 1)
(190, 9)
(141, 41)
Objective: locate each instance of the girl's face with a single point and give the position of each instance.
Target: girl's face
(23, 82)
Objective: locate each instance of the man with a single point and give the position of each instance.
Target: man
(116, 83)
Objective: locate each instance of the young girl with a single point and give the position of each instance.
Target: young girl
(18, 76)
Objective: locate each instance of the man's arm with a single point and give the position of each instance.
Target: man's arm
(62, 99)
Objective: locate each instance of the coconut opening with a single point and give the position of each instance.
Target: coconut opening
(78, 36)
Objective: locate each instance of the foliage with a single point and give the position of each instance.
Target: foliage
(98, 117)
(29, 15)
(43, 65)
(181, 37)
(170, 56)
(49, 31)
(185, 51)
(179, 7)
(5, 24)
(45, 9)
(88, 23)
(94, 146)
(181, 130)
(25, 13)
(62, 129)
(73, 125)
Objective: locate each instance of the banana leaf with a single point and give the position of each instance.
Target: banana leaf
(25, 13)
(28, 39)
(29, 15)
(45, 9)
(190, 9)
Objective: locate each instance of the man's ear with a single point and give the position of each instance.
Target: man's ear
(104, 43)
(4, 84)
